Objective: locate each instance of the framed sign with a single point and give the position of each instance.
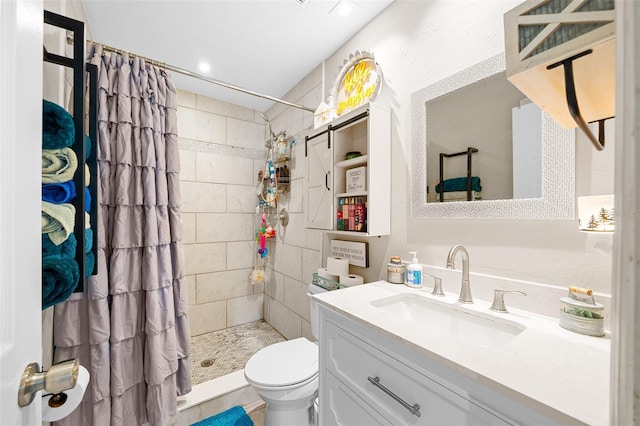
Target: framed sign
(356, 179)
(357, 83)
(356, 252)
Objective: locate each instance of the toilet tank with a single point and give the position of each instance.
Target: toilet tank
(313, 308)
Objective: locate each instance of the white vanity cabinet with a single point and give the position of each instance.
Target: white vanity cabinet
(425, 392)
(366, 130)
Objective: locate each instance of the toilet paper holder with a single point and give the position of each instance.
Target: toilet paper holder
(60, 377)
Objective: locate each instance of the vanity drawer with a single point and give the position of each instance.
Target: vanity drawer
(358, 364)
(345, 407)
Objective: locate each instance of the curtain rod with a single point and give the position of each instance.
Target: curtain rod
(200, 76)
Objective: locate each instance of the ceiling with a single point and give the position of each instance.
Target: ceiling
(266, 46)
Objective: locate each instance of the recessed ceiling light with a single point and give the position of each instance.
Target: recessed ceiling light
(203, 67)
(342, 8)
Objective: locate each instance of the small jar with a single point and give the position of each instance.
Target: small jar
(282, 147)
(396, 271)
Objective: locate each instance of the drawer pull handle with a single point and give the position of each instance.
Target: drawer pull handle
(414, 409)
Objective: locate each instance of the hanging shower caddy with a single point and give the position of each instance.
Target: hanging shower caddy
(273, 183)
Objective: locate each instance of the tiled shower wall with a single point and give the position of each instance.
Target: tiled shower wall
(298, 250)
(221, 149)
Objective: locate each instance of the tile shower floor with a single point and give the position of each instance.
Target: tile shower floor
(225, 351)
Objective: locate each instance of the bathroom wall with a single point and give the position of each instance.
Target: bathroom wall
(418, 44)
(297, 251)
(221, 150)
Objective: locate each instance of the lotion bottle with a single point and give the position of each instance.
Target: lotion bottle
(414, 272)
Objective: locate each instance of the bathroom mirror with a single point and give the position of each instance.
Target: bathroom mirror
(551, 197)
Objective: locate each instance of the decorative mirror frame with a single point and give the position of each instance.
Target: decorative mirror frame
(558, 162)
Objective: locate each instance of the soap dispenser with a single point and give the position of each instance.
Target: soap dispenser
(414, 272)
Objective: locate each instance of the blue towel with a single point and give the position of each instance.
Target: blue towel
(59, 193)
(234, 416)
(67, 249)
(460, 184)
(87, 200)
(58, 130)
(59, 279)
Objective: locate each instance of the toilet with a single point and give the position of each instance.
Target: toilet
(285, 376)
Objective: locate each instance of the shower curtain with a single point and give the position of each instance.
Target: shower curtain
(129, 328)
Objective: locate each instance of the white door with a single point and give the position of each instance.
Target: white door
(21, 30)
(320, 213)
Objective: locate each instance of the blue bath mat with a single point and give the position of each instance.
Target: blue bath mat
(234, 416)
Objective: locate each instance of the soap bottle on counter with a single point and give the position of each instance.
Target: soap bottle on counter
(414, 272)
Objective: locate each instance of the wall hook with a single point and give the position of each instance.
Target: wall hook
(572, 100)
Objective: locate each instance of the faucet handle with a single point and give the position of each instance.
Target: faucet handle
(498, 299)
(437, 285)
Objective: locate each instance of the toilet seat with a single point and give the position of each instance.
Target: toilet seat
(283, 364)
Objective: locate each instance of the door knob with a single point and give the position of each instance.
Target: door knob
(60, 377)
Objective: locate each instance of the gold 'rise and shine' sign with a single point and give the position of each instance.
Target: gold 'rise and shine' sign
(358, 83)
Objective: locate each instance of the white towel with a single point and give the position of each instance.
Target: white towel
(87, 175)
(58, 165)
(58, 221)
(461, 196)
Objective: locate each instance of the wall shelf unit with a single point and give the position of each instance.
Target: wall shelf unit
(85, 81)
(345, 194)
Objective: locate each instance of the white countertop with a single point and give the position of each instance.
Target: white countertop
(545, 365)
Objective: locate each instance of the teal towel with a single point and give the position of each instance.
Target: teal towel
(59, 279)
(65, 250)
(58, 130)
(460, 184)
(88, 239)
(234, 416)
(87, 147)
(89, 262)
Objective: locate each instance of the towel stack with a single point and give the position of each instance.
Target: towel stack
(459, 184)
(455, 189)
(89, 258)
(60, 272)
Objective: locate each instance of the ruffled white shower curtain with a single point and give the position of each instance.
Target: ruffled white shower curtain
(130, 327)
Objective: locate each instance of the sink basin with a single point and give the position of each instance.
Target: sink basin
(450, 321)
